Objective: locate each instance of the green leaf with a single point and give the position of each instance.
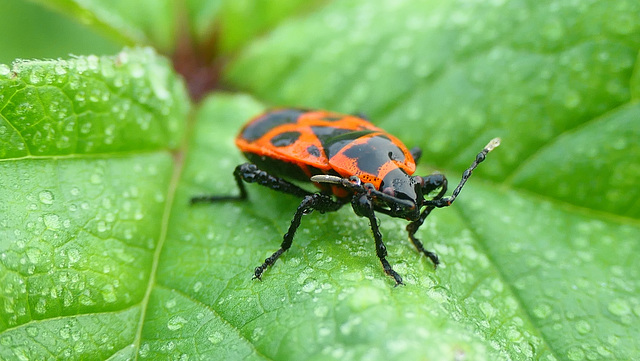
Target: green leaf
(29, 43)
(148, 22)
(213, 25)
(102, 257)
(547, 268)
(84, 180)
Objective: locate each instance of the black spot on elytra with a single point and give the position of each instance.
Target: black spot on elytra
(268, 121)
(285, 139)
(371, 155)
(314, 151)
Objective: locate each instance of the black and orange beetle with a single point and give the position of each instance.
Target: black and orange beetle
(351, 161)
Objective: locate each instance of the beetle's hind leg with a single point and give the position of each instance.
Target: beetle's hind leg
(313, 201)
(250, 173)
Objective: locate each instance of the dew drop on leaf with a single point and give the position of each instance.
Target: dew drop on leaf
(46, 197)
(583, 327)
(52, 221)
(4, 69)
(619, 307)
(197, 286)
(575, 353)
(33, 254)
(542, 310)
(170, 303)
(32, 331)
(176, 323)
(215, 337)
(41, 306)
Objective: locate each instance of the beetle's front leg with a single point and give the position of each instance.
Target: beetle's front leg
(429, 184)
(363, 207)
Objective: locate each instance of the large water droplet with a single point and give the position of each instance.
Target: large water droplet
(215, 337)
(619, 307)
(575, 353)
(176, 323)
(52, 221)
(542, 310)
(583, 327)
(46, 197)
(4, 69)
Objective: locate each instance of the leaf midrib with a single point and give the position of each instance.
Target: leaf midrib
(178, 166)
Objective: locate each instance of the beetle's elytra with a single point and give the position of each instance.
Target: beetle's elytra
(351, 161)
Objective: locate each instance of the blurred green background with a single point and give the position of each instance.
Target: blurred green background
(45, 34)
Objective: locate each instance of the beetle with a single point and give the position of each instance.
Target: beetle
(351, 161)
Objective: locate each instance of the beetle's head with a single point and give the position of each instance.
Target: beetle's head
(401, 195)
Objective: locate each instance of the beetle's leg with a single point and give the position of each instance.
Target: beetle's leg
(412, 228)
(313, 201)
(250, 173)
(446, 201)
(431, 183)
(416, 153)
(363, 207)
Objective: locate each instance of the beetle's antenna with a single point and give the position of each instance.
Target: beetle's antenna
(352, 183)
(324, 178)
(444, 202)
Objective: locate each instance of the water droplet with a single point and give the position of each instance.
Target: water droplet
(46, 197)
(321, 311)
(619, 307)
(96, 178)
(41, 306)
(488, 310)
(33, 254)
(81, 65)
(35, 77)
(170, 303)
(109, 294)
(583, 327)
(136, 70)
(73, 255)
(52, 221)
(216, 337)
(542, 310)
(603, 351)
(197, 286)
(92, 62)
(80, 96)
(575, 353)
(86, 299)
(4, 69)
(258, 332)
(60, 69)
(32, 331)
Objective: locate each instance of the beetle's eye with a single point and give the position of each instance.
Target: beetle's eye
(389, 191)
